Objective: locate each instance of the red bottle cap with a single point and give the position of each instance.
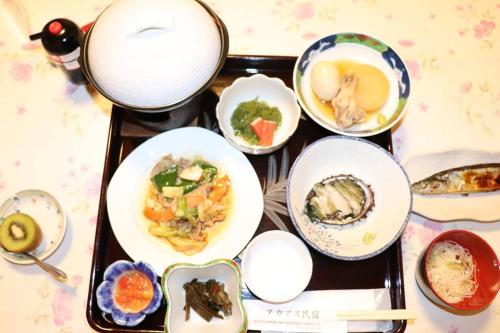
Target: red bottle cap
(55, 28)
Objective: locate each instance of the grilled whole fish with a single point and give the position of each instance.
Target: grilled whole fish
(463, 180)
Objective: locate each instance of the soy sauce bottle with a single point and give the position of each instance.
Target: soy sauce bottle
(61, 39)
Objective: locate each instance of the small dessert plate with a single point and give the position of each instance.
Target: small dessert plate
(274, 92)
(277, 266)
(49, 215)
(115, 277)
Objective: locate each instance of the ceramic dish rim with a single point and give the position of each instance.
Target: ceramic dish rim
(316, 247)
(222, 261)
(5, 254)
(331, 127)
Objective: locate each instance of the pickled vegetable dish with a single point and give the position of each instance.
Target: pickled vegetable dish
(133, 292)
(255, 121)
(186, 199)
(208, 299)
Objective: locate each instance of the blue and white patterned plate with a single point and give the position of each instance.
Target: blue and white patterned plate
(363, 49)
(384, 223)
(48, 214)
(105, 292)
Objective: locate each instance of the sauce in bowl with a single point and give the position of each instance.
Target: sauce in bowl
(133, 291)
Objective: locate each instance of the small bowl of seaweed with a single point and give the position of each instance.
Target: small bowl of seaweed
(258, 114)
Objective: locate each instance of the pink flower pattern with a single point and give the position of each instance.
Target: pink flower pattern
(484, 28)
(61, 306)
(406, 42)
(31, 46)
(310, 36)
(423, 107)
(429, 231)
(93, 221)
(465, 87)
(20, 110)
(93, 186)
(21, 71)
(414, 69)
(304, 10)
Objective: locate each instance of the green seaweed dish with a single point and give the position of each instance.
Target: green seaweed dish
(247, 112)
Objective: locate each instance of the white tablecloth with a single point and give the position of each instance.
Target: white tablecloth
(53, 134)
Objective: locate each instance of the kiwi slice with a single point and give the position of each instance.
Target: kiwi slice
(19, 233)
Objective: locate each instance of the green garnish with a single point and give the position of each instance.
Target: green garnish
(166, 177)
(209, 171)
(247, 112)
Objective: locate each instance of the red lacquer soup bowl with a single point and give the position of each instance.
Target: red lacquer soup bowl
(487, 271)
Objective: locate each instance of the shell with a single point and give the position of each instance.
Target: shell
(339, 200)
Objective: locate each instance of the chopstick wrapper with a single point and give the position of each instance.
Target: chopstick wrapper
(315, 311)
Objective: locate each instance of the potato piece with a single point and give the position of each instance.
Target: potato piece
(372, 89)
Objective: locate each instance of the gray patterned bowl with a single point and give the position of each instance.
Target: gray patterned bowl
(105, 292)
(384, 223)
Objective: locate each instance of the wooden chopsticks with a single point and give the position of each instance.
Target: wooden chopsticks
(402, 314)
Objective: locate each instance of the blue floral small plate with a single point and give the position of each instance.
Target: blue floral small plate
(106, 290)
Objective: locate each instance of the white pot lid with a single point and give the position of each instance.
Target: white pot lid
(153, 53)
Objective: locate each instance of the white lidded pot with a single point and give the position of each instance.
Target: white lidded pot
(154, 55)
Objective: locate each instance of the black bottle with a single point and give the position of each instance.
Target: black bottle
(61, 39)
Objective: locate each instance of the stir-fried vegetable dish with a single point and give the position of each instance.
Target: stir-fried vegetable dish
(185, 200)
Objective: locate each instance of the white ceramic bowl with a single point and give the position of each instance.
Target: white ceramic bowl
(224, 271)
(277, 266)
(274, 92)
(363, 49)
(337, 155)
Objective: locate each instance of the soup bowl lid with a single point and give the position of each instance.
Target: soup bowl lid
(153, 54)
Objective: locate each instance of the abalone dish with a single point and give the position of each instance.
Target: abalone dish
(339, 200)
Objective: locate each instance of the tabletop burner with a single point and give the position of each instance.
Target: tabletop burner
(188, 114)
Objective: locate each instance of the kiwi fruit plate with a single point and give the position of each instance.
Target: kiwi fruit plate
(20, 233)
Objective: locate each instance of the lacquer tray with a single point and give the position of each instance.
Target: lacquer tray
(382, 271)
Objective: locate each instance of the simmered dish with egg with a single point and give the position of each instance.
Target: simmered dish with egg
(186, 200)
(348, 91)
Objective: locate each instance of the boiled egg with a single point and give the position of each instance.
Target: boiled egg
(325, 80)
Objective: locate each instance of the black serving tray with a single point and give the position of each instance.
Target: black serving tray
(127, 132)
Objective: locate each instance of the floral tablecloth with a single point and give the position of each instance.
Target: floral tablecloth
(53, 134)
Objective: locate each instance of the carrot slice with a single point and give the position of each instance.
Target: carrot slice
(257, 125)
(159, 215)
(266, 139)
(168, 214)
(193, 200)
(152, 214)
(219, 189)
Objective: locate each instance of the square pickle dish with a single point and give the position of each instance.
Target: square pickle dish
(126, 133)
